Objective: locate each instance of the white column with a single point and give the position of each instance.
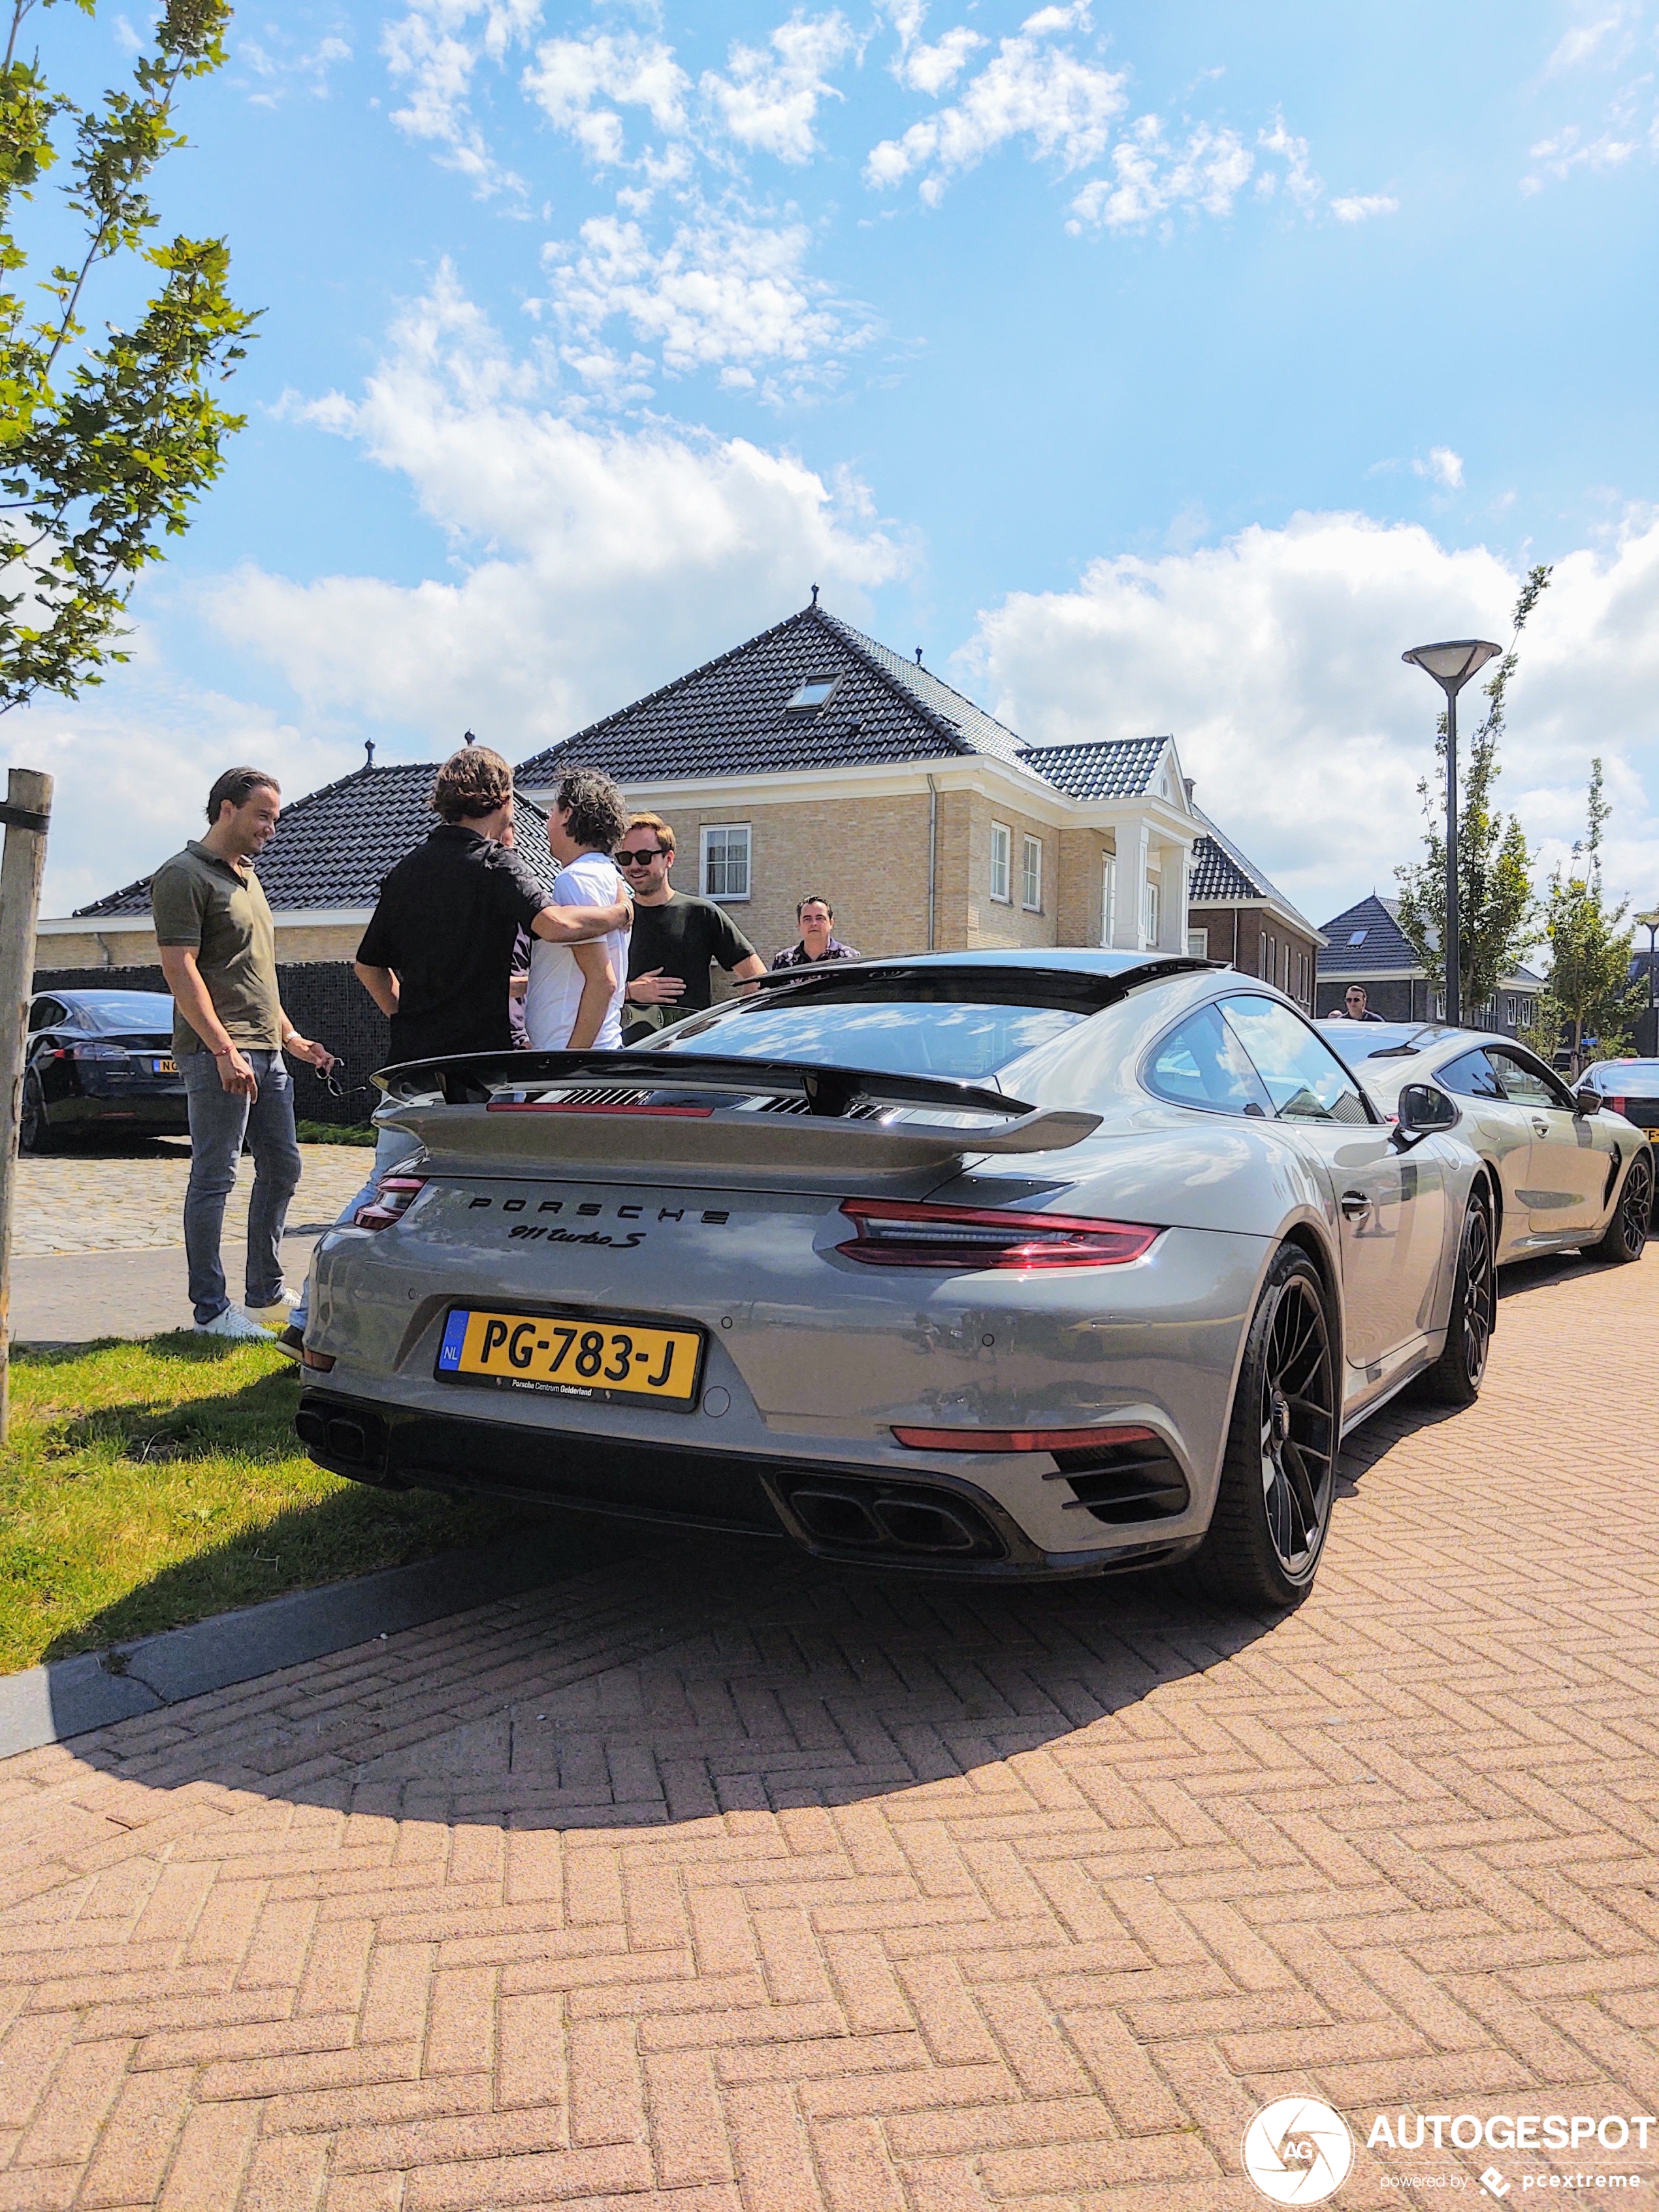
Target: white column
(1134, 839)
(1172, 909)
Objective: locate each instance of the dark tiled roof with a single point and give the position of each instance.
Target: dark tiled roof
(1382, 949)
(332, 847)
(731, 716)
(1104, 767)
(1222, 873)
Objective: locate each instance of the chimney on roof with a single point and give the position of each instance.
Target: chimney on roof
(1188, 780)
(368, 753)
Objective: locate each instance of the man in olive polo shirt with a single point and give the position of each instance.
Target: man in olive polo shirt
(229, 1032)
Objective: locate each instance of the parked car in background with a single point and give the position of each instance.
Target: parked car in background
(1630, 1087)
(994, 1263)
(1572, 1172)
(100, 1061)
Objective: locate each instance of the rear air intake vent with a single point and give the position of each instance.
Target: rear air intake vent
(1123, 1482)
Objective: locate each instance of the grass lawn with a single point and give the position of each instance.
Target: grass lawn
(148, 1485)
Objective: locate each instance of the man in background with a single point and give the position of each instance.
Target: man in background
(229, 1033)
(437, 956)
(574, 999)
(814, 915)
(1356, 1004)
(677, 940)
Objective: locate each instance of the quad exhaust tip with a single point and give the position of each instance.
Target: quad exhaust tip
(872, 1518)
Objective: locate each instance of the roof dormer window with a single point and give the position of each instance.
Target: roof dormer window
(1358, 937)
(809, 696)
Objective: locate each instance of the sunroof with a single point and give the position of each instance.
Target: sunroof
(812, 695)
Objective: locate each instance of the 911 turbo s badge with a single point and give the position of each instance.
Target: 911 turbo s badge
(532, 1232)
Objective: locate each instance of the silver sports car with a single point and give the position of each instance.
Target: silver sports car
(1567, 1171)
(1007, 1264)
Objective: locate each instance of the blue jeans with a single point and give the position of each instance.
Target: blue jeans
(390, 1147)
(219, 1121)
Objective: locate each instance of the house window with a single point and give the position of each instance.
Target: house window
(1152, 914)
(1108, 896)
(1358, 937)
(808, 697)
(1198, 944)
(726, 860)
(1030, 875)
(1002, 839)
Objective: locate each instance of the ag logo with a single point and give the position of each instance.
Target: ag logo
(1298, 2150)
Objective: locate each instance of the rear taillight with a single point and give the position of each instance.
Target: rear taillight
(396, 1194)
(893, 1233)
(1614, 1105)
(1020, 1440)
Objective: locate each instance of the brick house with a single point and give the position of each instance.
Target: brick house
(1365, 944)
(812, 759)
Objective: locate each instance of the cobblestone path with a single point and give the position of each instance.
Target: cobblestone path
(718, 1882)
(88, 1201)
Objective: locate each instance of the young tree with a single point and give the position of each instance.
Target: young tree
(1591, 993)
(1497, 906)
(103, 449)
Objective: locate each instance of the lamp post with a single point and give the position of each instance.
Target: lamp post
(1651, 923)
(1451, 665)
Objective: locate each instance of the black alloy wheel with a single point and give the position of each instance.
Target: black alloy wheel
(1627, 1232)
(32, 1134)
(1455, 1378)
(1272, 1508)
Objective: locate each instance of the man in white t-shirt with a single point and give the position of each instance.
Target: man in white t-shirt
(574, 999)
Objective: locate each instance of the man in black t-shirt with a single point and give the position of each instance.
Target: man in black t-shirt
(676, 939)
(437, 955)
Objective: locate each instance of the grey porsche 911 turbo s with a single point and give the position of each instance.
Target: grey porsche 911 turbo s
(1006, 1264)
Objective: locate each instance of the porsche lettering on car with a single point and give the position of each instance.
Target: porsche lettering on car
(1001, 1264)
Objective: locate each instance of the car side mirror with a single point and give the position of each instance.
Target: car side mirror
(1422, 1109)
(1587, 1099)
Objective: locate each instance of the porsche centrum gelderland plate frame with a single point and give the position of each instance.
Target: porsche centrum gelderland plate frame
(572, 1355)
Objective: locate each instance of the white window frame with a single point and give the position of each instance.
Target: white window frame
(1198, 944)
(1002, 861)
(1108, 896)
(1151, 918)
(1031, 873)
(725, 830)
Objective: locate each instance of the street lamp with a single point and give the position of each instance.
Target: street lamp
(1451, 665)
(1651, 923)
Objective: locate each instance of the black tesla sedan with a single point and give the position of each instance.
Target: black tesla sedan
(97, 1062)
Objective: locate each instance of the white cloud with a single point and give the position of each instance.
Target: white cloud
(1443, 467)
(1611, 45)
(1300, 181)
(278, 70)
(1150, 177)
(1360, 206)
(769, 98)
(1031, 88)
(927, 68)
(1275, 659)
(589, 566)
(569, 76)
(723, 293)
(432, 52)
(1585, 41)
(1559, 157)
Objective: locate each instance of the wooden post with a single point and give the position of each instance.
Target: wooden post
(27, 807)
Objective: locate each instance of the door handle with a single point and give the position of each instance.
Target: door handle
(1542, 1127)
(1354, 1203)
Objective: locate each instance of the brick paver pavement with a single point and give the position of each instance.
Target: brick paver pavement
(100, 1202)
(719, 1881)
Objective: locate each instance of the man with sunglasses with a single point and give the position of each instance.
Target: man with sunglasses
(677, 940)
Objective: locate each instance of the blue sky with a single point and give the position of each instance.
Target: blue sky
(1150, 367)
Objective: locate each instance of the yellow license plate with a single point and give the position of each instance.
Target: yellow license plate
(573, 1356)
(164, 1067)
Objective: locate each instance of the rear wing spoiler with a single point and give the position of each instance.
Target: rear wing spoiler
(699, 1111)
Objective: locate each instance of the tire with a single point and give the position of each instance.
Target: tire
(1627, 1232)
(1455, 1377)
(34, 1131)
(1272, 1507)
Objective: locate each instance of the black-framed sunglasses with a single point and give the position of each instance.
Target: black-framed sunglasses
(330, 1078)
(639, 859)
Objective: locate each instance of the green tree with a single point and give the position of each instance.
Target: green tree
(1497, 906)
(103, 449)
(1589, 993)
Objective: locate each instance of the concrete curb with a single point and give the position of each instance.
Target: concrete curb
(67, 1697)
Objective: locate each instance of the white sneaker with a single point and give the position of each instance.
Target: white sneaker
(235, 1326)
(276, 1315)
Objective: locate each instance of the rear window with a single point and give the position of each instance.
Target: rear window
(1618, 1075)
(964, 1040)
(127, 1010)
